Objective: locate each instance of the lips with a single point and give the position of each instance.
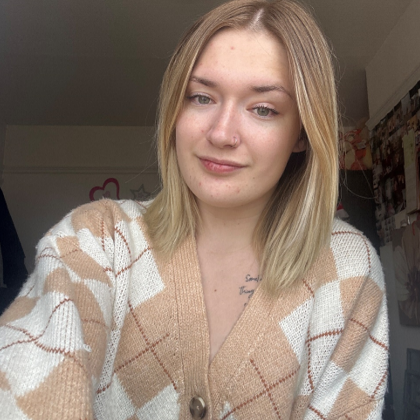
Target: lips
(220, 165)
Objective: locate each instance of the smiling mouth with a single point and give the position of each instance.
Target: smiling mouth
(220, 166)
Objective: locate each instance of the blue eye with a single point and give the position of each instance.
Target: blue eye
(200, 99)
(203, 100)
(264, 111)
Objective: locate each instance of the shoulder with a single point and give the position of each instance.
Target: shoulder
(100, 218)
(353, 254)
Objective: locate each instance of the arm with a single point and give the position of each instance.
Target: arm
(53, 338)
(352, 381)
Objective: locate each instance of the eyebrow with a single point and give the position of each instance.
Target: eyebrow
(270, 88)
(204, 82)
(258, 89)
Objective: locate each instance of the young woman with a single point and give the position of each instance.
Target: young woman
(232, 295)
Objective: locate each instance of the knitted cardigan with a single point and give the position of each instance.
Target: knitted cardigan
(103, 329)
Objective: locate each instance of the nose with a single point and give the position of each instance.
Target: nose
(223, 131)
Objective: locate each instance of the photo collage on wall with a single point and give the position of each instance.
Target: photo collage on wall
(395, 145)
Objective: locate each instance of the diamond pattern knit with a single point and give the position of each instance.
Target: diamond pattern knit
(103, 329)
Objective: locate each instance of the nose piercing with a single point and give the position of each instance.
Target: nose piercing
(235, 143)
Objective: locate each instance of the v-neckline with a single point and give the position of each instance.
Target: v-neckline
(194, 330)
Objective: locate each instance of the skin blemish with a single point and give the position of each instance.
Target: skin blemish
(232, 48)
(215, 290)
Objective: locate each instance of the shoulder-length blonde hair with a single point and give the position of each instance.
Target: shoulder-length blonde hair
(296, 223)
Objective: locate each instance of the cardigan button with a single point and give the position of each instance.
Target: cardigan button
(198, 408)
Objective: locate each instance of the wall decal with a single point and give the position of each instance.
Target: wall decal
(109, 189)
(140, 194)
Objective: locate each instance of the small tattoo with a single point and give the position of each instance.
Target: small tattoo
(249, 292)
(249, 278)
(244, 291)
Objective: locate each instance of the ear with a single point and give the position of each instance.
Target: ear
(301, 142)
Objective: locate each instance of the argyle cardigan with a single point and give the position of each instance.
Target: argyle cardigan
(103, 329)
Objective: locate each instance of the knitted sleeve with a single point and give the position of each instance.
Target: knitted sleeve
(353, 382)
(53, 338)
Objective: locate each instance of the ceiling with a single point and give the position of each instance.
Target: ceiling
(100, 62)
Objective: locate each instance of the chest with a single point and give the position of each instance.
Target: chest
(227, 290)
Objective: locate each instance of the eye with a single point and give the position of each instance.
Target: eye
(200, 99)
(264, 111)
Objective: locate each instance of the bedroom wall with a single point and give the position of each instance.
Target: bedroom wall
(49, 170)
(394, 70)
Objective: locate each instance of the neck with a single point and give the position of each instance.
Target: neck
(226, 231)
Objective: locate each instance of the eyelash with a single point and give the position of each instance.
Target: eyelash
(199, 95)
(271, 110)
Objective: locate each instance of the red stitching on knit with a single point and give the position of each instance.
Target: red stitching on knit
(317, 412)
(308, 287)
(150, 347)
(259, 395)
(32, 338)
(47, 247)
(104, 388)
(376, 341)
(103, 234)
(385, 375)
(124, 240)
(325, 334)
(311, 381)
(29, 291)
(141, 204)
(144, 351)
(129, 266)
(311, 339)
(266, 388)
(48, 256)
(64, 353)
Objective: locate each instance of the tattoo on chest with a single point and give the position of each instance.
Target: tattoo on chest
(244, 290)
(249, 278)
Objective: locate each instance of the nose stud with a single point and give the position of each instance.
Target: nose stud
(235, 142)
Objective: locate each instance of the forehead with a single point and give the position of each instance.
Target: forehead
(244, 54)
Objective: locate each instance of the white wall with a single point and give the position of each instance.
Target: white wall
(395, 69)
(49, 170)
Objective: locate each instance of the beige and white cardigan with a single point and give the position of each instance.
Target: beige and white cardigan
(102, 330)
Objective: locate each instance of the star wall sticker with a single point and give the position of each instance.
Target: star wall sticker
(140, 194)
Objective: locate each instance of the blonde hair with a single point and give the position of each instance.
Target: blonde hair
(296, 222)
